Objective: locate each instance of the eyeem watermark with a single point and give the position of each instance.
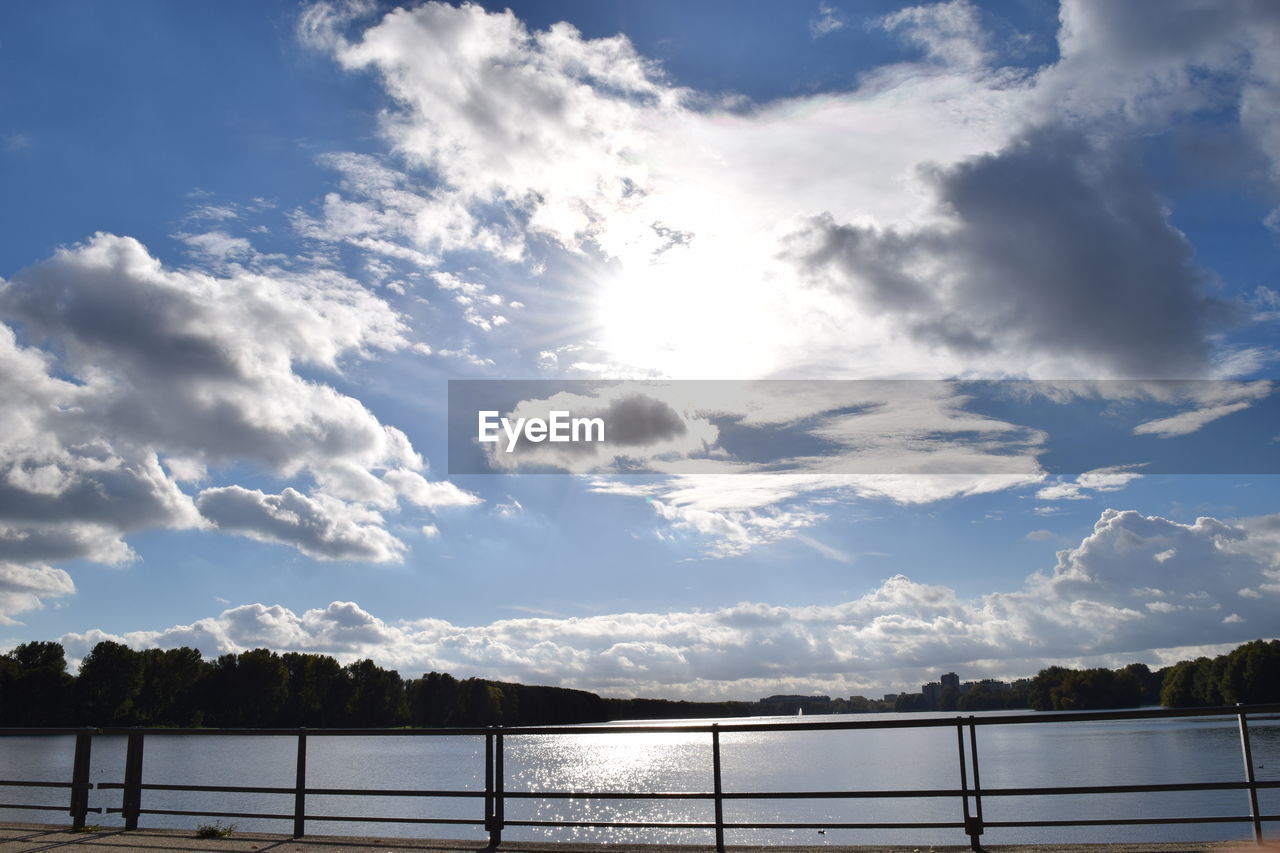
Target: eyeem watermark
(559, 426)
(1000, 431)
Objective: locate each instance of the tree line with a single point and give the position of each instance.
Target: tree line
(1249, 673)
(120, 686)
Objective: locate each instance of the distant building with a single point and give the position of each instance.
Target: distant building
(950, 679)
(791, 703)
(993, 685)
(932, 693)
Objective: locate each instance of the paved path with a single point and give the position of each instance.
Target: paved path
(26, 838)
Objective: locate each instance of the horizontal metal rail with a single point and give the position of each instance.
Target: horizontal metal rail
(26, 806)
(321, 792)
(12, 784)
(290, 816)
(494, 795)
(1139, 821)
(616, 824)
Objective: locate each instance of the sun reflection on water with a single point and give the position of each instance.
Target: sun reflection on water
(613, 763)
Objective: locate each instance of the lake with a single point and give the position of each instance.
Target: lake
(1200, 749)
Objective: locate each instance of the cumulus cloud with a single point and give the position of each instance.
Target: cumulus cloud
(1096, 275)
(387, 213)
(25, 587)
(320, 527)
(950, 33)
(542, 120)
(1116, 596)
(731, 533)
(131, 378)
(686, 235)
(826, 251)
(1147, 60)
(505, 137)
(432, 494)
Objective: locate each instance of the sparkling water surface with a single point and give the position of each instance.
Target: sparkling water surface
(1200, 749)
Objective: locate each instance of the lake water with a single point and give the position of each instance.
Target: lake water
(1059, 754)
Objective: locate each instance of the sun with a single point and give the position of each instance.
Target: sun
(694, 314)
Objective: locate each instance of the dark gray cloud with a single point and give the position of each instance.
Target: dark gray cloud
(1057, 248)
(639, 420)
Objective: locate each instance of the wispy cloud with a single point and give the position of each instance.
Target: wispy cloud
(827, 21)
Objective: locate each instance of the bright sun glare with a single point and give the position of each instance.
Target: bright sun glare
(692, 315)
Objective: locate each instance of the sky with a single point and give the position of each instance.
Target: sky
(256, 251)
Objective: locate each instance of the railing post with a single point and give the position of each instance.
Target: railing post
(499, 785)
(300, 790)
(716, 786)
(80, 779)
(132, 799)
(490, 820)
(964, 784)
(975, 829)
(1248, 775)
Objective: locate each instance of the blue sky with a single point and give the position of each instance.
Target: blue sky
(253, 242)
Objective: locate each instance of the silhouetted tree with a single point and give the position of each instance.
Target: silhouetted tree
(170, 684)
(378, 697)
(40, 690)
(319, 691)
(109, 682)
(434, 700)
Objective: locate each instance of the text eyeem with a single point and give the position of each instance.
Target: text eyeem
(559, 427)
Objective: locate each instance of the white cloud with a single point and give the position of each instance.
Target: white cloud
(321, 527)
(215, 212)
(509, 509)
(827, 21)
(909, 442)
(417, 489)
(503, 114)
(1147, 61)
(217, 245)
(1110, 479)
(950, 33)
(733, 533)
(1096, 607)
(826, 250)
(132, 378)
(1187, 422)
(24, 587)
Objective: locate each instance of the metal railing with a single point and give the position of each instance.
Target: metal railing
(79, 785)
(970, 793)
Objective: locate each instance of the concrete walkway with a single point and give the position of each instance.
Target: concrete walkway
(26, 838)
